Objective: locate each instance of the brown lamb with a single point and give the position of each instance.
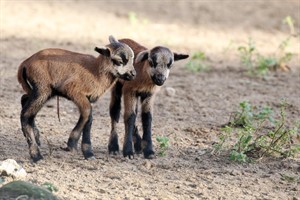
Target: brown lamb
(80, 78)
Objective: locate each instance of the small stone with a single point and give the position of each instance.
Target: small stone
(235, 173)
(170, 91)
(11, 168)
(148, 164)
(102, 191)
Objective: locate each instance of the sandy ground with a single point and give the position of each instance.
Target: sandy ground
(191, 119)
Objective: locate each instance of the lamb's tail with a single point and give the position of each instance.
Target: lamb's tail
(23, 79)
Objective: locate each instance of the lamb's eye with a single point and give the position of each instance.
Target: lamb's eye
(151, 63)
(169, 64)
(116, 62)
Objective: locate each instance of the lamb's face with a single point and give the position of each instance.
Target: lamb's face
(122, 58)
(160, 61)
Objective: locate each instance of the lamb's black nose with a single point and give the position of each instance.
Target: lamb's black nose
(159, 79)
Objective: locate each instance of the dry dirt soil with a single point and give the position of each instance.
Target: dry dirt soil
(191, 118)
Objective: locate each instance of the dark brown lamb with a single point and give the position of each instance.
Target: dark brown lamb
(152, 67)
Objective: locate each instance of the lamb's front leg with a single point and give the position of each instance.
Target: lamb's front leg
(147, 102)
(130, 100)
(114, 111)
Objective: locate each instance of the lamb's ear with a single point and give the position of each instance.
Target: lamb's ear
(180, 56)
(103, 51)
(142, 56)
(112, 39)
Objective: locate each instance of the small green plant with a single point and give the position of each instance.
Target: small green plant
(290, 22)
(243, 146)
(258, 64)
(289, 178)
(279, 140)
(197, 62)
(163, 144)
(247, 54)
(219, 146)
(249, 114)
(50, 187)
(134, 20)
(249, 139)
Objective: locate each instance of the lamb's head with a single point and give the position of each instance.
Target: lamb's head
(122, 58)
(160, 60)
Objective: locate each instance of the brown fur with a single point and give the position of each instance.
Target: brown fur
(79, 77)
(145, 87)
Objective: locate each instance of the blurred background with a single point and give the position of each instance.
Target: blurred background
(210, 26)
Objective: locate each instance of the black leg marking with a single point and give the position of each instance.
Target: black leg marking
(147, 140)
(30, 107)
(128, 148)
(73, 142)
(137, 141)
(114, 111)
(115, 107)
(24, 100)
(86, 145)
(113, 146)
(36, 131)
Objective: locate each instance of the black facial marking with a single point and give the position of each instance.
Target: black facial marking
(153, 61)
(116, 62)
(124, 59)
(170, 63)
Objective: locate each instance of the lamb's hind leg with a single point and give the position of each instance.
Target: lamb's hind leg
(130, 100)
(114, 111)
(36, 131)
(33, 104)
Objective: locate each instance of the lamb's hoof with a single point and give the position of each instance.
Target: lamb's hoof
(70, 149)
(91, 158)
(129, 154)
(113, 146)
(89, 155)
(36, 157)
(149, 153)
(128, 151)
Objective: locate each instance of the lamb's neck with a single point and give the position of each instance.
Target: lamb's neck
(104, 71)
